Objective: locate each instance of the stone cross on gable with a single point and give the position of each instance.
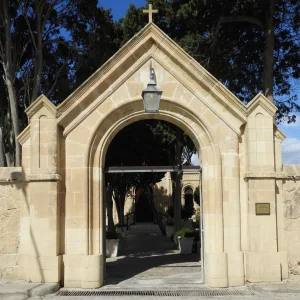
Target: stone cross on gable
(150, 11)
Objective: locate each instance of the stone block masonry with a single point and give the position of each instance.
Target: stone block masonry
(53, 216)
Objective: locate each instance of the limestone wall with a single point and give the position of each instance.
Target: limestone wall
(291, 199)
(10, 204)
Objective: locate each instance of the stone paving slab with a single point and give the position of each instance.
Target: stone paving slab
(19, 290)
(286, 286)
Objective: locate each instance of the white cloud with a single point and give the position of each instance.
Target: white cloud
(291, 151)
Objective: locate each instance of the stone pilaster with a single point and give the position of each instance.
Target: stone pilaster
(262, 258)
(41, 259)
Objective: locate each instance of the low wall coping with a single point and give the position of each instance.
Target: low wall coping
(265, 175)
(9, 174)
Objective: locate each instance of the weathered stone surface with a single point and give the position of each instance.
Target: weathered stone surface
(291, 200)
(10, 202)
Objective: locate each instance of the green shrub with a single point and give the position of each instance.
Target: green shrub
(187, 232)
(197, 195)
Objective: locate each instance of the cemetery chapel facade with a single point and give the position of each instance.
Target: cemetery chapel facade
(61, 186)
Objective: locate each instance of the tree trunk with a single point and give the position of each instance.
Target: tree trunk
(8, 160)
(156, 216)
(268, 52)
(177, 203)
(109, 208)
(120, 203)
(8, 72)
(2, 151)
(3, 162)
(38, 66)
(37, 76)
(178, 174)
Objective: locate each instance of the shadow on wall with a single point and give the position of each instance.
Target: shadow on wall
(37, 271)
(162, 199)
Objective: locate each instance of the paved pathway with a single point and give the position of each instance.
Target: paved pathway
(150, 260)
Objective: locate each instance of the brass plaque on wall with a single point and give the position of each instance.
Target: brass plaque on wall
(262, 209)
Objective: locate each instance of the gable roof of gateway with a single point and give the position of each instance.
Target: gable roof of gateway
(103, 79)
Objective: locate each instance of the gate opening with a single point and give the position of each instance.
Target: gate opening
(140, 226)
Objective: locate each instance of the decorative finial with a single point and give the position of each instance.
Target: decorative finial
(150, 11)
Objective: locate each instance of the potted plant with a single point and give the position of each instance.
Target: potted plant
(112, 244)
(184, 238)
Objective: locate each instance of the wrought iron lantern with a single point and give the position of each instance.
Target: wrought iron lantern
(152, 94)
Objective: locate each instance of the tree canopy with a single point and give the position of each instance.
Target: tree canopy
(52, 46)
(45, 47)
(250, 46)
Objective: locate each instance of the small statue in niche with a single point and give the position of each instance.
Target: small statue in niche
(152, 75)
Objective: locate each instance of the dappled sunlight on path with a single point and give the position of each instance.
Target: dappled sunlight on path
(151, 260)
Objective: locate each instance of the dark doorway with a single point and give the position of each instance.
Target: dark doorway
(188, 201)
(143, 209)
(137, 159)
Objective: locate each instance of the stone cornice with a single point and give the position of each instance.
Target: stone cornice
(38, 104)
(279, 134)
(43, 177)
(261, 100)
(23, 137)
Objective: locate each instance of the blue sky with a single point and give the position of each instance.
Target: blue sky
(291, 145)
(119, 7)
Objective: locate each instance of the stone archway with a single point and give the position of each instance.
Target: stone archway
(212, 188)
(240, 167)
